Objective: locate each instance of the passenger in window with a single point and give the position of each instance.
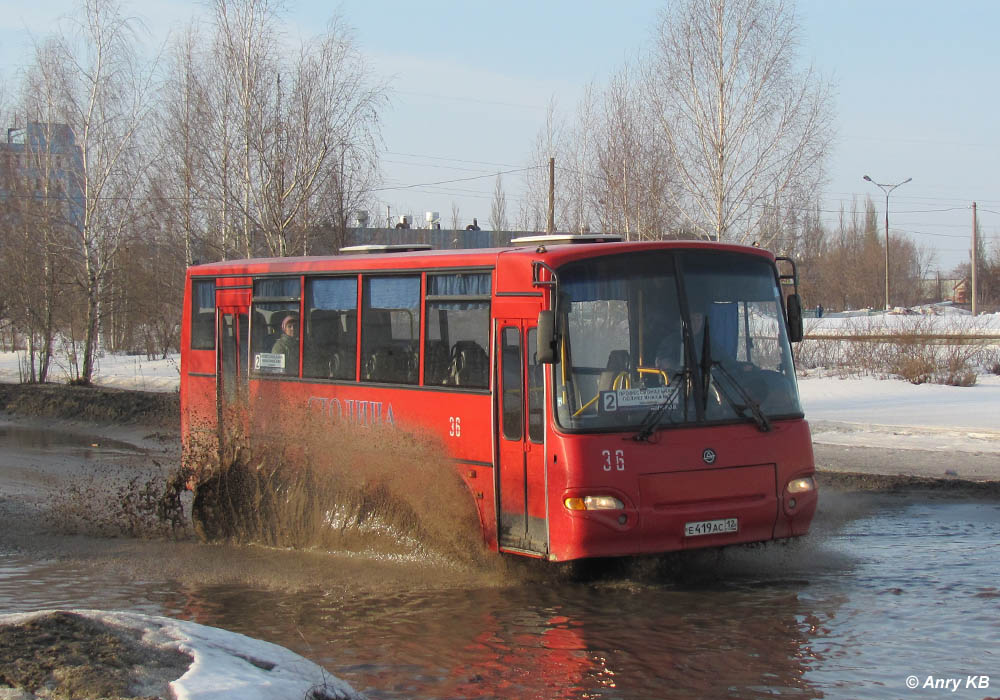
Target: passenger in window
(288, 343)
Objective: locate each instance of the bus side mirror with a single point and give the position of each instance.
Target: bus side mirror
(546, 350)
(794, 312)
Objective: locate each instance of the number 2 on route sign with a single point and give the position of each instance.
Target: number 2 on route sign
(609, 401)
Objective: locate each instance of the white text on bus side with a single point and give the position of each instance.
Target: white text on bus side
(363, 412)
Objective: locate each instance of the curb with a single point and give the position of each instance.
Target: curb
(902, 483)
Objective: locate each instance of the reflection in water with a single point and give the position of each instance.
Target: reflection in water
(846, 616)
(564, 641)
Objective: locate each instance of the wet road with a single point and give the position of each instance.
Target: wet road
(886, 587)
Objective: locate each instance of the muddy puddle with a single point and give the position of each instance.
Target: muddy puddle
(19, 437)
(910, 589)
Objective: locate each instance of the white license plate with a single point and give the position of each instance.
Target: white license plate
(711, 527)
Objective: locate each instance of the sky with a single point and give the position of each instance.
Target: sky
(471, 81)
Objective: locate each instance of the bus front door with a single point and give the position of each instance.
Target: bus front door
(234, 335)
(521, 484)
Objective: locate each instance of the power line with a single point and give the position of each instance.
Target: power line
(916, 198)
(434, 165)
(454, 98)
(928, 233)
(447, 182)
(456, 160)
(882, 139)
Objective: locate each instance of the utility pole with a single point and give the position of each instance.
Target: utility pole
(550, 225)
(975, 258)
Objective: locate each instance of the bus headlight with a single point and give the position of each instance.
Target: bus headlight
(801, 485)
(593, 503)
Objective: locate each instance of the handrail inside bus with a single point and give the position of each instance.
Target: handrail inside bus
(536, 280)
(794, 277)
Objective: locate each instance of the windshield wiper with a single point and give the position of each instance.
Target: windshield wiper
(707, 363)
(763, 424)
(652, 419)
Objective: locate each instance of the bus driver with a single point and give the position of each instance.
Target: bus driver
(670, 350)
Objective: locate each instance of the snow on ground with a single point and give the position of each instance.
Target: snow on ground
(225, 665)
(892, 413)
(937, 319)
(121, 371)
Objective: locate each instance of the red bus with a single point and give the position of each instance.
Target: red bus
(600, 398)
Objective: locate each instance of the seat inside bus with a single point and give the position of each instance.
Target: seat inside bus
(387, 359)
(263, 338)
(437, 362)
(617, 364)
(331, 336)
(469, 365)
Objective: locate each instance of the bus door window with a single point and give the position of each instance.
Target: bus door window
(522, 522)
(275, 325)
(233, 349)
(536, 390)
(511, 385)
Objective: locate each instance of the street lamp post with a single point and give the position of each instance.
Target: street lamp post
(888, 190)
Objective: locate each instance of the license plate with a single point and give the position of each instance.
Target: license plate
(711, 527)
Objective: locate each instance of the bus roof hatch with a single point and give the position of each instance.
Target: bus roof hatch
(373, 248)
(564, 238)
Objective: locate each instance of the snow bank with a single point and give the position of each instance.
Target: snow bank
(120, 371)
(225, 665)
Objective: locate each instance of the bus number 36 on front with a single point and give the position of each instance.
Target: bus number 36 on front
(614, 461)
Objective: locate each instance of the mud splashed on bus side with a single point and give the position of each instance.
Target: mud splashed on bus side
(297, 480)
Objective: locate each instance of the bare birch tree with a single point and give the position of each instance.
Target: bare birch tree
(42, 213)
(304, 139)
(247, 46)
(498, 209)
(548, 144)
(337, 117)
(631, 187)
(105, 90)
(743, 125)
(184, 133)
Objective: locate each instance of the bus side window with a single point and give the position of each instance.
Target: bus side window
(330, 344)
(275, 326)
(203, 315)
(457, 330)
(390, 329)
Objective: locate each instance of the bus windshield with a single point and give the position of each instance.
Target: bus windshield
(668, 338)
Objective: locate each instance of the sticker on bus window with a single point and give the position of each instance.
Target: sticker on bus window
(625, 399)
(269, 362)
